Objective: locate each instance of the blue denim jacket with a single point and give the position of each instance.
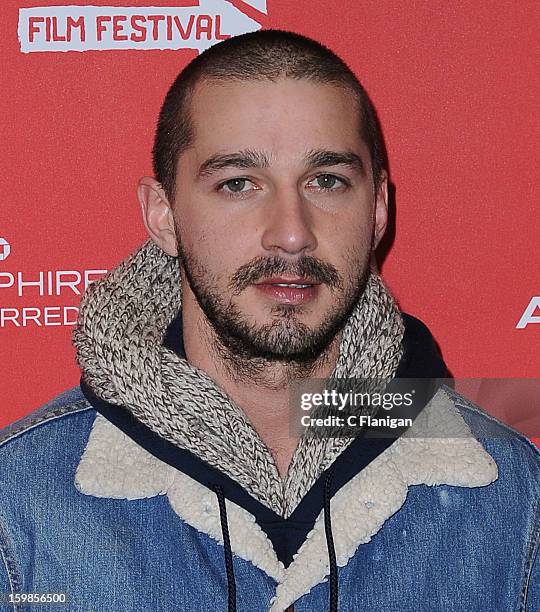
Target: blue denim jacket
(448, 548)
(91, 508)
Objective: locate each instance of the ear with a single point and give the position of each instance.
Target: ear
(381, 209)
(157, 214)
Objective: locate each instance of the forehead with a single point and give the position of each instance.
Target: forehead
(284, 117)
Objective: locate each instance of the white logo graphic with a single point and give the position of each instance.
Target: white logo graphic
(38, 285)
(528, 317)
(260, 5)
(5, 249)
(99, 28)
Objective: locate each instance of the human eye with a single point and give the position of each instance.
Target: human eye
(327, 182)
(235, 187)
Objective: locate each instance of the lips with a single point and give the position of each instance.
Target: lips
(296, 290)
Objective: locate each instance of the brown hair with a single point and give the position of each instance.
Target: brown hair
(265, 54)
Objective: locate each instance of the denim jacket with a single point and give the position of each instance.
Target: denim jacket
(95, 506)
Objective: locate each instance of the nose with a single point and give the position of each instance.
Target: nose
(288, 224)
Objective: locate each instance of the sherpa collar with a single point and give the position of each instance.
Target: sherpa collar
(122, 321)
(438, 449)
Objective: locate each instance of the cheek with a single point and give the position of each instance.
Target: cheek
(202, 225)
(353, 232)
(192, 230)
(221, 246)
(209, 252)
(351, 247)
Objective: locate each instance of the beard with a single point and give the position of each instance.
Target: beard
(247, 346)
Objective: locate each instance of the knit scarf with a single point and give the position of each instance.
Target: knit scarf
(121, 326)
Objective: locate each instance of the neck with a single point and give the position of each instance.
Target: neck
(259, 386)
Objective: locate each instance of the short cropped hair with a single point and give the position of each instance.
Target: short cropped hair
(262, 55)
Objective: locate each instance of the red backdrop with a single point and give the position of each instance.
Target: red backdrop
(456, 87)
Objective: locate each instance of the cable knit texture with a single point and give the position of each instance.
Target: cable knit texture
(123, 319)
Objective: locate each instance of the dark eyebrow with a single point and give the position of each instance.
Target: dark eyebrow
(243, 159)
(321, 157)
(259, 159)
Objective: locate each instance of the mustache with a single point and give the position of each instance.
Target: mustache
(263, 267)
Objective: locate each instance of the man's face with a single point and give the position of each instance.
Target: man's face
(274, 214)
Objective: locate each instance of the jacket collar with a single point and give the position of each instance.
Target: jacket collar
(114, 465)
(420, 360)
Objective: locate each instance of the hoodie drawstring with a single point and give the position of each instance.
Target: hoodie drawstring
(330, 543)
(231, 606)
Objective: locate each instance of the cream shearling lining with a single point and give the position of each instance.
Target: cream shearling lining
(115, 466)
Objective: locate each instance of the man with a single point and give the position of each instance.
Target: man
(172, 478)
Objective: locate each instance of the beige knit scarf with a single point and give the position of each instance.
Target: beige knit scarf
(119, 336)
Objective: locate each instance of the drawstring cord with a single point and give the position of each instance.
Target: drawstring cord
(231, 607)
(330, 543)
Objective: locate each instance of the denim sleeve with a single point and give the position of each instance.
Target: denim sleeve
(9, 575)
(531, 588)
